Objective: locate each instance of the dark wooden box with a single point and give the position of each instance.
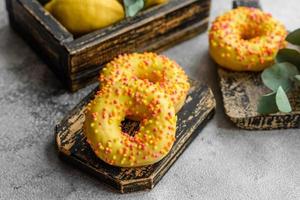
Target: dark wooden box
(77, 61)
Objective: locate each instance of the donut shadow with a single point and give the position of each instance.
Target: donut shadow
(72, 174)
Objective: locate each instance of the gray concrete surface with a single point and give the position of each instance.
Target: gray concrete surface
(223, 163)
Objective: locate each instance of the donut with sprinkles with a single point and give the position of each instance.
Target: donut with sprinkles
(141, 100)
(246, 39)
(158, 69)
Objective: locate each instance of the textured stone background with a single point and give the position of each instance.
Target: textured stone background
(222, 163)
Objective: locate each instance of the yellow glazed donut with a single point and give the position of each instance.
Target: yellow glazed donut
(246, 39)
(146, 102)
(156, 68)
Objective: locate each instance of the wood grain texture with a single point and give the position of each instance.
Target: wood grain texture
(136, 33)
(246, 3)
(77, 61)
(71, 143)
(91, 75)
(241, 92)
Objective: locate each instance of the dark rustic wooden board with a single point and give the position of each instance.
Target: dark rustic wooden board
(241, 92)
(72, 146)
(77, 60)
(246, 3)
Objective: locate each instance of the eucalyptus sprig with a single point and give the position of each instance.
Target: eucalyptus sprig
(281, 77)
(133, 7)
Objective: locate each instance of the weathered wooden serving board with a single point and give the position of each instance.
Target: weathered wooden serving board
(241, 92)
(72, 146)
(77, 61)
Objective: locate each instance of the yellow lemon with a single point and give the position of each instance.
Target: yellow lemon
(150, 3)
(83, 16)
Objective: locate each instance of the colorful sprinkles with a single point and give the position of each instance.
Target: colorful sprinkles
(151, 67)
(246, 39)
(139, 99)
(146, 87)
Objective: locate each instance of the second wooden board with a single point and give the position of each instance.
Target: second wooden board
(241, 92)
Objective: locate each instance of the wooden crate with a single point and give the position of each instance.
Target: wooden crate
(198, 109)
(77, 61)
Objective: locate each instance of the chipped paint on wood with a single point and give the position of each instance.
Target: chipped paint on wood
(241, 92)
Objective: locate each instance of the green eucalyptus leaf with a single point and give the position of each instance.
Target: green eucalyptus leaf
(280, 74)
(294, 37)
(282, 101)
(289, 55)
(267, 104)
(132, 7)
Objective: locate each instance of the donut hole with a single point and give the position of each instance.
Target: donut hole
(252, 30)
(251, 33)
(130, 127)
(153, 78)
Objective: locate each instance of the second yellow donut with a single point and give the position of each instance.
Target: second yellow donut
(157, 69)
(246, 39)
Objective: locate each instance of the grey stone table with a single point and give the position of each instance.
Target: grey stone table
(222, 163)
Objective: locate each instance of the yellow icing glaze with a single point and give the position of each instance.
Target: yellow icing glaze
(157, 69)
(142, 100)
(246, 39)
